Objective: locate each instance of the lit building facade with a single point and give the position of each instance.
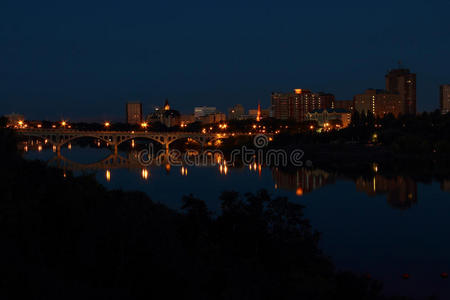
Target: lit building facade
(296, 105)
(379, 102)
(445, 99)
(323, 116)
(167, 116)
(202, 111)
(403, 83)
(212, 118)
(236, 112)
(134, 113)
(343, 104)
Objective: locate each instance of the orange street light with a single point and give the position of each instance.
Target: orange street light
(107, 124)
(144, 125)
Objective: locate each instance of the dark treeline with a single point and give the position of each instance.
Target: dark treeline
(70, 238)
(425, 134)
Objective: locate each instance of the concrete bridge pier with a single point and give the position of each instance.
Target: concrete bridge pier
(166, 145)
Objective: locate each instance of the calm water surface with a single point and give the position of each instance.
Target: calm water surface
(382, 226)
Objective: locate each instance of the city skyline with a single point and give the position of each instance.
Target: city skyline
(56, 63)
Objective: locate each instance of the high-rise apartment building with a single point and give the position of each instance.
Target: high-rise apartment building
(445, 99)
(379, 102)
(403, 82)
(295, 106)
(134, 112)
(344, 104)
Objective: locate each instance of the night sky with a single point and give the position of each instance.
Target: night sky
(82, 60)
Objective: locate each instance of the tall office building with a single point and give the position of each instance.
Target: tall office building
(295, 106)
(134, 112)
(445, 99)
(236, 112)
(280, 106)
(379, 102)
(403, 82)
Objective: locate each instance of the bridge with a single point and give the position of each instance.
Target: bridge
(60, 137)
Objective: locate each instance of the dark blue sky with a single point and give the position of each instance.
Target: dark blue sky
(85, 59)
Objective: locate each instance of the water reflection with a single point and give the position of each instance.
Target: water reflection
(302, 181)
(445, 185)
(400, 191)
(144, 174)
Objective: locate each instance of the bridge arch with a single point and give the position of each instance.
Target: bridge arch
(199, 140)
(128, 138)
(75, 137)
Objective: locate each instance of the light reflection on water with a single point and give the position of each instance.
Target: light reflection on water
(377, 225)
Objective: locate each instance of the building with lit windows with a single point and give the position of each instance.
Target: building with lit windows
(344, 104)
(324, 116)
(134, 113)
(167, 116)
(445, 99)
(213, 118)
(294, 106)
(403, 83)
(236, 112)
(202, 111)
(379, 102)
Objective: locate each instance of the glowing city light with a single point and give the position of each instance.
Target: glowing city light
(108, 175)
(107, 124)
